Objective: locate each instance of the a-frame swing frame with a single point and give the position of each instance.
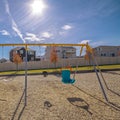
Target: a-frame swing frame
(88, 48)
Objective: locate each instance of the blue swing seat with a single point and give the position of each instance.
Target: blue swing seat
(66, 77)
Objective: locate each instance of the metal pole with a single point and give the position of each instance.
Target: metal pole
(2, 52)
(25, 75)
(100, 83)
(43, 44)
(101, 86)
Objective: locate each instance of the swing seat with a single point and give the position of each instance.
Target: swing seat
(66, 77)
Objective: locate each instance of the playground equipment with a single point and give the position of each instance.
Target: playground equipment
(65, 73)
(68, 67)
(66, 77)
(45, 73)
(53, 56)
(90, 57)
(2, 51)
(17, 59)
(26, 47)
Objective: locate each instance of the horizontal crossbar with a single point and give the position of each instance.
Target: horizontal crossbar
(42, 44)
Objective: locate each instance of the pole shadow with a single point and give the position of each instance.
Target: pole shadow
(114, 106)
(110, 72)
(18, 105)
(108, 86)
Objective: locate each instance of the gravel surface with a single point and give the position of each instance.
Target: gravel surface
(49, 99)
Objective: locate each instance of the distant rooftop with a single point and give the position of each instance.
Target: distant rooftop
(106, 46)
(18, 48)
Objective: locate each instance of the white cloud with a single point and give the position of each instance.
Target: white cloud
(93, 43)
(84, 41)
(15, 28)
(98, 43)
(31, 34)
(84, 48)
(4, 32)
(62, 33)
(47, 35)
(66, 27)
(32, 37)
(14, 25)
(7, 7)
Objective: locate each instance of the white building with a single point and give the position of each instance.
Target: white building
(108, 51)
(62, 52)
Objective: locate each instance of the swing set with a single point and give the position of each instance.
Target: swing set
(65, 73)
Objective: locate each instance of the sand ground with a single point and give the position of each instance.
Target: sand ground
(49, 99)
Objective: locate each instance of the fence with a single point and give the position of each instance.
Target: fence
(61, 63)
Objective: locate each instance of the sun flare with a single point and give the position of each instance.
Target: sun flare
(38, 6)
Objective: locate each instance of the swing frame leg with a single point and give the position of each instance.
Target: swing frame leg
(101, 86)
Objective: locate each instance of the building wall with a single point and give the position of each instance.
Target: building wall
(108, 51)
(62, 52)
(61, 63)
(30, 57)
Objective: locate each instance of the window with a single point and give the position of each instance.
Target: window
(31, 52)
(113, 54)
(118, 49)
(99, 49)
(21, 51)
(57, 50)
(15, 51)
(32, 58)
(104, 54)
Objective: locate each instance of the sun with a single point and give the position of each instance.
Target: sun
(38, 7)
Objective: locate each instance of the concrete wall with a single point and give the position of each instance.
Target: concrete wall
(61, 63)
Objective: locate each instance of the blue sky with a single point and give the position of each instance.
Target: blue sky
(62, 21)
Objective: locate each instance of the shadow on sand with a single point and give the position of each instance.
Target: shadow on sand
(17, 108)
(113, 105)
(108, 86)
(80, 103)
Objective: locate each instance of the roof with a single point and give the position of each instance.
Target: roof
(30, 49)
(107, 46)
(19, 48)
(3, 60)
(68, 47)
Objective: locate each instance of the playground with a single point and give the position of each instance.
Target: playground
(50, 99)
(65, 95)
